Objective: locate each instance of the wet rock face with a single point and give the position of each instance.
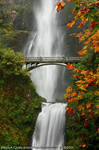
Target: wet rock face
(25, 19)
(18, 12)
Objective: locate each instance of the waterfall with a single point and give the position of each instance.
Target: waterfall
(49, 130)
(46, 41)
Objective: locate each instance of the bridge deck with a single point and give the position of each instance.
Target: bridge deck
(52, 60)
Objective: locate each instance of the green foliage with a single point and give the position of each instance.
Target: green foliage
(19, 103)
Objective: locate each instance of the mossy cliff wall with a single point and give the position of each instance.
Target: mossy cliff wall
(19, 102)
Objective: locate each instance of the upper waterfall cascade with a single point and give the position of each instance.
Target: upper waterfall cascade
(46, 41)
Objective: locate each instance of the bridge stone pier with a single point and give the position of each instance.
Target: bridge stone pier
(34, 62)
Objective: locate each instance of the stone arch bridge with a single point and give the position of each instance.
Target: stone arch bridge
(35, 62)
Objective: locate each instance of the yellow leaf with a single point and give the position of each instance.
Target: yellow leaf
(84, 72)
(96, 49)
(69, 25)
(63, 4)
(80, 81)
(69, 89)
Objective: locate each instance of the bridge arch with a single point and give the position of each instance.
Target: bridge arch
(44, 64)
(35, 62)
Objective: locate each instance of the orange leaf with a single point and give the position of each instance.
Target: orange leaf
(97, 4)
(69, 25)
(68, 0)
(70, 66)
(97, 106)
(60, 5)
(80, 107)
(74, 93)
(80, 25)
(89, 105)
(96, 49)
(84, 72)
(76, 70)
(74, 12)
(83, 144)
(69, 89)
(63, 4)
(82, 52)
(80, 82)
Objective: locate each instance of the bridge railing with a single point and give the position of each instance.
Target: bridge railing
(52, 59)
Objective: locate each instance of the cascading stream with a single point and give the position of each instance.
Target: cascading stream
(49, 130)
(47, 42)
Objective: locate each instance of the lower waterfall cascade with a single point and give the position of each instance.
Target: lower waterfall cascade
(50, 125)
(47, 42)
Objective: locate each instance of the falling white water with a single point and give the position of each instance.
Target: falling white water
(49, 131)
(47, 42)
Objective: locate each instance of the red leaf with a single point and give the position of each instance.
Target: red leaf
(83, 144)
(93, 24)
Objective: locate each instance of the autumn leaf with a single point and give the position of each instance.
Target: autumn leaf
(60, 5)
(69, 25)
(74, 12)
(69, 110)
(83, 114)
(83, 21)
(68, 0)
(96, 49)
(82, 87)
(75, 76)
(81, 107)
(97, 106)
(80, 96)
(83, 144)
(80, 25)
(80, 81)
(82, 52)
(93, 24)
(69, 89)
(84, 72)
(76, 70)
(67, 95)
(89, 105)
(74, 93)
(97, 93)
(63, 3)
(70, 66)
(85, 123)
(96, 4)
